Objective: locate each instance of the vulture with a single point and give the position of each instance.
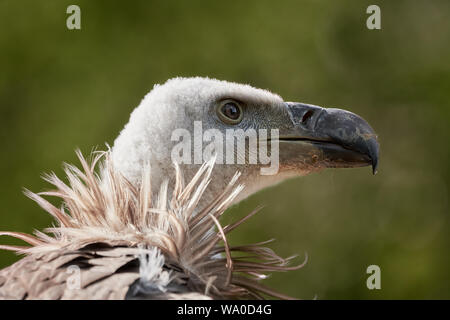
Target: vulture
(141, 220)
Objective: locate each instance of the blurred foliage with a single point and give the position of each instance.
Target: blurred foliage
(62, 89)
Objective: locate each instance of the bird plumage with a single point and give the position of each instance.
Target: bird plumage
(123, 240)
(136, 230)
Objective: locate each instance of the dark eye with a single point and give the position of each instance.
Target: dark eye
(230, 112)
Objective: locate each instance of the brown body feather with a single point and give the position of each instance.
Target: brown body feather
(104, 225)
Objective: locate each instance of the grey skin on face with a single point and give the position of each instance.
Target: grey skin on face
(331, 138)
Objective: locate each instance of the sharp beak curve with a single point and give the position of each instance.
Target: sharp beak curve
(342, 138)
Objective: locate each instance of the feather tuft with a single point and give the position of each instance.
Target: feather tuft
(104, 207)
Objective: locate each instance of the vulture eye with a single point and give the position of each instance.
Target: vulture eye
(230, 112)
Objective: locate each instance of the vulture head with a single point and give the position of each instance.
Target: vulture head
(253, 131)
(134, 229)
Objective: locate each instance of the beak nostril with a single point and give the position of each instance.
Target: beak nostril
(307, 116)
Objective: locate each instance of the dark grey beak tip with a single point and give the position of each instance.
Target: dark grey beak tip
(373, 149)
(358, 141)
(374, 167)
(354, 132)
(374, 158)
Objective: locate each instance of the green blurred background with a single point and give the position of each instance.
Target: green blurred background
(62, 89)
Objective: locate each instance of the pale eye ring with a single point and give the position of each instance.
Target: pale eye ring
(230, 111)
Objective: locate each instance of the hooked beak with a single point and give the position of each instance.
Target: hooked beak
(332, 138)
